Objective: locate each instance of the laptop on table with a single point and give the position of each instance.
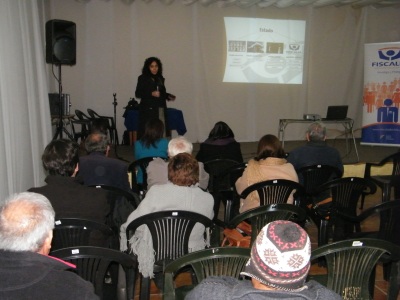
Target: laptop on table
(336, 112)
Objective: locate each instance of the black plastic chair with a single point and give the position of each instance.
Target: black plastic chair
(274, 191)
(122, 204)
(220, 261)
(385, 182)
(111, 125)
(93, 264)
(345, 193)
(141, 164)
(260, 216)
(71, 232)
(311, 177)
(170, 232)
(351, 266)
(84, 121)
(223, 175)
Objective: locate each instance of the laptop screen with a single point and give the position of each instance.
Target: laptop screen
(337, 112)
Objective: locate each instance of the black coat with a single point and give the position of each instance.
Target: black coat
(28, 275)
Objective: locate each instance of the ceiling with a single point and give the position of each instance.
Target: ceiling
(356, 4)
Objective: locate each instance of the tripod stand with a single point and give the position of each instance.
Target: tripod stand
(60, 126)
(115, 103)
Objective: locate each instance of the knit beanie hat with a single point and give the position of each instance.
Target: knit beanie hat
(280, 256)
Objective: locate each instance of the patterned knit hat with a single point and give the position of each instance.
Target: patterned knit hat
(280, 256)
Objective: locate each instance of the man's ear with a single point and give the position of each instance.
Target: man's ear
(108, 150)
(307, 137)
(76, 170)
(45, 250)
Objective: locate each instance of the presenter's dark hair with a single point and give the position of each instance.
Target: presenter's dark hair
(269, 146)
(147, 63)
(153, 131)
(221, 130)
(60, 157)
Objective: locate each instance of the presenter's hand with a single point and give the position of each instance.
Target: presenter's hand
(156, 94)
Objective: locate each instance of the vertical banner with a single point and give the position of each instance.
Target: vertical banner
(381, 95)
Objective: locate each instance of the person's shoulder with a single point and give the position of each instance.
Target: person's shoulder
(322, 291)
(213, 287)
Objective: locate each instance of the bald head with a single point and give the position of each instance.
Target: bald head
(26, 221)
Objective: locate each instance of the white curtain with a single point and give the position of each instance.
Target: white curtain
(24, 108)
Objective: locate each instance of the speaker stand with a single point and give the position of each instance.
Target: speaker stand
(60, 126)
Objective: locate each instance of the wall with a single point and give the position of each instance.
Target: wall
(114, 38)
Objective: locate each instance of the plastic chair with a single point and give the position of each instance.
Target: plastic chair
(72, 232)
(170, 232)
(345, 195)
(274, 191)
(93, 263)
(141, 164)
(260, 216)
(122, 204)
(84, 121)
(220, 261)
(385, 182)
(111, 125)
(351, 263)
(223, 172)
(314, 176)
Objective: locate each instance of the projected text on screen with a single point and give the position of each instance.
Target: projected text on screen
(264, 50)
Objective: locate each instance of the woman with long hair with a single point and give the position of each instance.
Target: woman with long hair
(269, 164)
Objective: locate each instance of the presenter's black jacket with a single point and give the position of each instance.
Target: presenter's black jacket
(149, 107)
(29, 275)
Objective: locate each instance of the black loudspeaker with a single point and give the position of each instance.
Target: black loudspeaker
(60, 42)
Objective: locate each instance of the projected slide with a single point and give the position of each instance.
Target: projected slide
(264, 50)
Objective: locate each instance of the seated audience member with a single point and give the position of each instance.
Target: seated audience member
(278, 267)
(221, 143)
(315, 151)
(98, 168)
(157, 171)
(180, 193)
(269, 164)
(69, 197)
(151, 144)
(26, 270)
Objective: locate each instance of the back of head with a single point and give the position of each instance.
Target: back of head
(183, 170)
(97, 142)
(60, 157)
(280, 256)
(154, 130)
(25, 222)
(269, 146)
(179, 145)
(221, 130)
(316, 131)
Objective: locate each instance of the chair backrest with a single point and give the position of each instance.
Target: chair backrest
(170, 231)
(316, 175)
(260, 216)
(347, 191)
(389, 222)
(216, 168)
(220, 261)
(274, 191)
(81, 115)
(92, 264)
(70, 232)
(142, 165)
(350, 264)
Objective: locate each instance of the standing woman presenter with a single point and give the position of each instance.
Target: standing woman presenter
(151, 90)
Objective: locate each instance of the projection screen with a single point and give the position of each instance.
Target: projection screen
(264, 50)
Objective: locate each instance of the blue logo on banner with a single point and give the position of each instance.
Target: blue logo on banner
(389, 53)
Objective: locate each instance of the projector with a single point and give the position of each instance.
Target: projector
(312, 117)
